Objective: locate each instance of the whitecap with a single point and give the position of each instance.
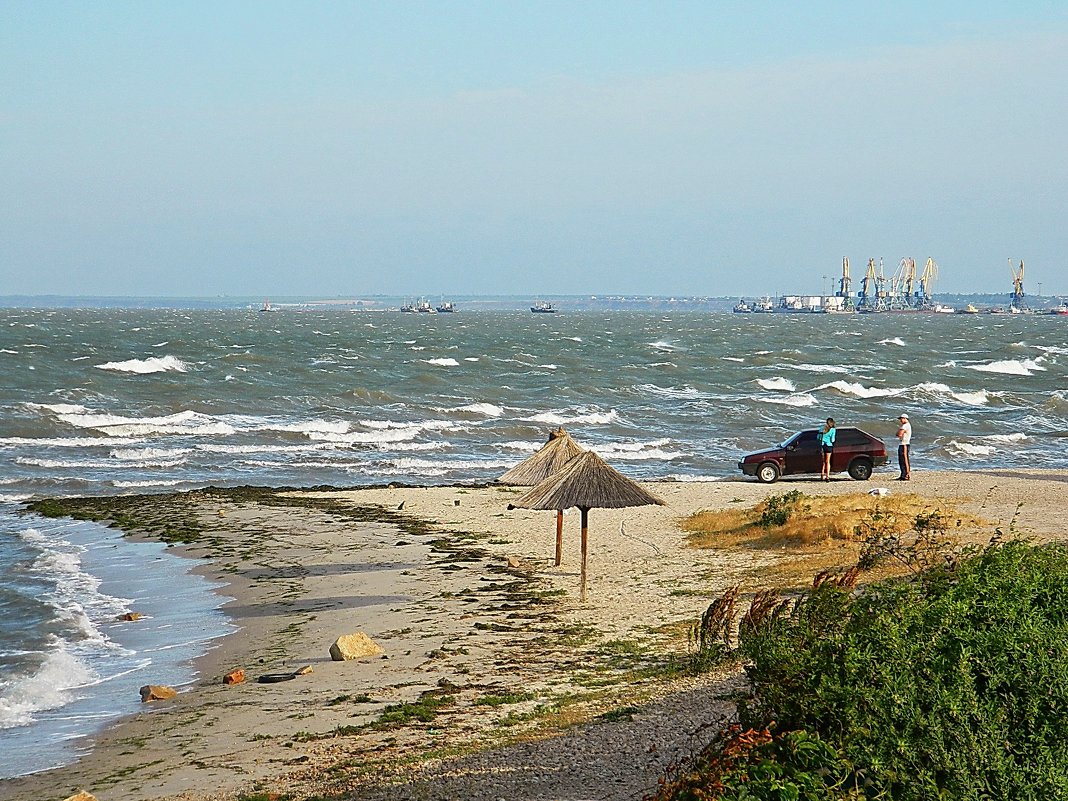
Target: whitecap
(819, 368)
(664, 345)
(145, 366)
(1006, 439)
(861, 391)
(733, 359)
(187, 422)
(446, 362)
(162, 482)
(968, 449)
(803, 399)
(549, 366)
(562, 418)
(894, 341)
(487, 409)
(141, 454)
(670, 392)
(1022, 367)
(778, 383)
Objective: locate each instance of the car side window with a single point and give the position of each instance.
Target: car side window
(850, 436)
(806, 439)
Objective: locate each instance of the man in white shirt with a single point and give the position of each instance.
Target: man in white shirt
(904, 439)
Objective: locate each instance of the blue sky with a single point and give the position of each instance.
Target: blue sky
(344, 149)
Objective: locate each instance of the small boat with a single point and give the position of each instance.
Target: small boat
(969, 309)
(446, 307)
(1059, 310)
(408, 308)
(741, 307)
(424, 307)
(763, 306)
(541, 307)
(267, 307)
(938, 308)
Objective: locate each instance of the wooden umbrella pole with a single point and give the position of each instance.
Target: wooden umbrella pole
(559, 536)
(585, 532)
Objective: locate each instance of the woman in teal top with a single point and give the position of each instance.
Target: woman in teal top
(827, 448)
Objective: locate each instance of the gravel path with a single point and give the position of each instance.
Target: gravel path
(606, 761)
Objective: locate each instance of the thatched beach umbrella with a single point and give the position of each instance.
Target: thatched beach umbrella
(550, 459)
(586, 482)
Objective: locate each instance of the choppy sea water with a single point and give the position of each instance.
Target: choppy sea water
(112, 401)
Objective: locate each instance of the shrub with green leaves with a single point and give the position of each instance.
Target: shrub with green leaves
(778, 508)
(950, 685)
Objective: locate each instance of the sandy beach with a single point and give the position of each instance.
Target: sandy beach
(496, 680)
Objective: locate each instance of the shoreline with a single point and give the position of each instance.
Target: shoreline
(483, 635)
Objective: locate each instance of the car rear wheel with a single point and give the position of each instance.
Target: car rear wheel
(767, 473)
(860, 469)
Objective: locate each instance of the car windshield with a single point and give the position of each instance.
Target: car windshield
(800, 436)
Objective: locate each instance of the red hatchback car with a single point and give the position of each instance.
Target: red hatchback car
(856, 452)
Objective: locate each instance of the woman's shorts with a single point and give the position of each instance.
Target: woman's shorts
(827, 448)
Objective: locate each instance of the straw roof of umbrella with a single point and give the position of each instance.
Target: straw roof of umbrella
(588, 482)
(550, 458)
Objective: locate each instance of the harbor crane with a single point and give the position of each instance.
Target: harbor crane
(927, 279)
(843, 286)
(1016, 300)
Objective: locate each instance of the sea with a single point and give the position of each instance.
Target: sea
(121, 400)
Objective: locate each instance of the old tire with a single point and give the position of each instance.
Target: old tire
(860, 469)
(768, 473)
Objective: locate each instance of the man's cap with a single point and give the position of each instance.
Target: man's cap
(902, 417)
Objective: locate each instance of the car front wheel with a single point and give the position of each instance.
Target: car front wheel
(860, 469)
(767, 473)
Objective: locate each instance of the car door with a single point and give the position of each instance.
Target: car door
(803, 453)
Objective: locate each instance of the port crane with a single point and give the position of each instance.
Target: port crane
(1016, 300)
(843, 286)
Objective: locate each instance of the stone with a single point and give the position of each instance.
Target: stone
(81, 795)
(303, 671)
(157, 692)
(354, 646)
(131, 616)
(513, 562)
(234, 677)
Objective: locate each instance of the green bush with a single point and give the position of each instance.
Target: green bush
(778, 508)
(953, 685)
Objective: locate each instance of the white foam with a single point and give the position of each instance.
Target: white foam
(445, 362)
(487, 409)
(968, 449)
(861, 391)
(265, 448)
(368, 437)
(1006, 439)
(778, 383)
(687, 479)
(589, 418)
(894, 341)
(51, 687)
(187, 422)
(1023, 367)
(160, 482)
(802, 399)
(58, 408)
(142, 454)
(525, 446)
(90, 464)
(819, 368)
(664, 345)
(549, 366)
(637, 451)
(153, 364)
(738, 359)
(670, 392)
(68, 442)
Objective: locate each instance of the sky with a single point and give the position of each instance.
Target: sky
(344, 149)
